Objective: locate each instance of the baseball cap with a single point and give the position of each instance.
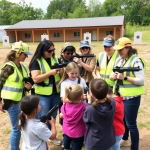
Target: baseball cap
(108, 42)
(20, 47)
(122, 42)
(84, 44)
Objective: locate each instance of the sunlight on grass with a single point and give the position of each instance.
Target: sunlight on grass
(6, 131)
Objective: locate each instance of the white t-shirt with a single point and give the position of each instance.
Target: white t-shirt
(35, 135)
(69, 82)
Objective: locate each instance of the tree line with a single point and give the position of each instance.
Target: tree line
(135, 11)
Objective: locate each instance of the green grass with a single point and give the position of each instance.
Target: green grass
(6, 131)
(144, 124)
(144, 29)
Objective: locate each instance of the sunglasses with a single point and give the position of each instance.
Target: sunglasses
(49, 51)
(84, 48)
(69, 53)
(107, 46)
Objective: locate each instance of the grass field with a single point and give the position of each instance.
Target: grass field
(143, 120)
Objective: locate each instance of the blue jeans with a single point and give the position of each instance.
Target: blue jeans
(116, 146)
(131, 107)
(47, 103)
(14, 111)
(77, 142)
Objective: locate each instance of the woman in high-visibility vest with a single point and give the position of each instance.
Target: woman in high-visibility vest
(12, 87)
(46, 79)
(130, 85)
(106, 60)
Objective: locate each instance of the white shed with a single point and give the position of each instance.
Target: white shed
(2, 31)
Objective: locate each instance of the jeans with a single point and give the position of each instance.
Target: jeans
(116, 146)
(131, 107)
(14, 111)
(77, 142)
(47, 103)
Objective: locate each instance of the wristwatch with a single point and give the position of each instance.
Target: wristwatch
(125, 78)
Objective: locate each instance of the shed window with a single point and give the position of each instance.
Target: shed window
(27, 35)
(109, 33)
(76, 34)
(56, 34)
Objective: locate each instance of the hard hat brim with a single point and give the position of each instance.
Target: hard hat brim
(118, 47)
(28, 53)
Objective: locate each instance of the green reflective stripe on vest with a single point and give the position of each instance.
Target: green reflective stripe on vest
(12, 89)
(129, 89)
(13, 86)
(44, 68)
(105, 70)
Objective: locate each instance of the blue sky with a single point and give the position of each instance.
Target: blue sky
(43, 3)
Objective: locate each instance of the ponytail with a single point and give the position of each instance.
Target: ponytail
(95, 104)
(132, 51)
(21, 121)
(109, 101)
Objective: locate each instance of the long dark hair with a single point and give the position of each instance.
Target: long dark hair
(27, 105)
(99, 89)
(132, 51)
(43, 46)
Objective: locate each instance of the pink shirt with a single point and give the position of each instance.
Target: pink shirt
(73, 125)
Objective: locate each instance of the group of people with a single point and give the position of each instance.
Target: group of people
(100, 118)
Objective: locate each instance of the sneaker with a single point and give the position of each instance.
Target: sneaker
(56, 141)
(124, 143)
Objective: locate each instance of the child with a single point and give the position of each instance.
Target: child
(99, 116)
(72, 111)
(34, 133)
(118, 119)
(70, 76)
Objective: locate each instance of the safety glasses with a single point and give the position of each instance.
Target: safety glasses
(50, 51)
(69, 53)
(84, 48)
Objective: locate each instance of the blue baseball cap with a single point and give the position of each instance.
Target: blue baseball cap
(84, 44)
(108, 42)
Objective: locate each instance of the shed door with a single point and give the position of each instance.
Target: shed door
(94, 35)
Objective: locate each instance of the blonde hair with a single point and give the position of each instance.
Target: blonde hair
(68, 68)
(10, 56)
(90, 50)
(110, 36)
(73, 93)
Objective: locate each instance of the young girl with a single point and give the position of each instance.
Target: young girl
(99, 116)
(118, 119)
(72, 111)
(34, 133)
(70, 76)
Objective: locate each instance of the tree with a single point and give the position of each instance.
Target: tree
(22, 11)
(78, 13)
(57, 14)
(4, 12)
(95, 9)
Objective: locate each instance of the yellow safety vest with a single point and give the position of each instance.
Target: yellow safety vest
(13, 86)
(129, 89)
(44, 68)
(105, 70)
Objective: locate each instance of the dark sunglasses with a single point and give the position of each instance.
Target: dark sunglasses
(84, 48)
(107, 46)
(49, 51)
(69, 53)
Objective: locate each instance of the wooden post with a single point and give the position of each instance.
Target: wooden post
(48, 33)
(33, 35)
(97, 34)
(81, 34)
(120, 32)
(64, 35)
(16, 36)
(114, 33)
(8, 33)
